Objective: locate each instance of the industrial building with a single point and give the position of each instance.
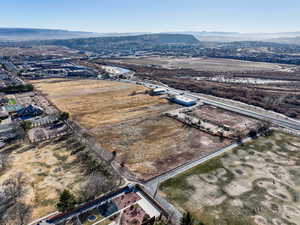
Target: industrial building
(179, 99)
(55, 68)
(159, 91)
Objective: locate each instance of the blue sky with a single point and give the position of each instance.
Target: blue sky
(153, 15)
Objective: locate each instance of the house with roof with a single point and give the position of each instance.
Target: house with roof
(7, 132)
(28, 112)
(11, 109)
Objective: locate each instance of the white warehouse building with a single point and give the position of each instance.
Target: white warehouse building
(159, 91)
(184, 100)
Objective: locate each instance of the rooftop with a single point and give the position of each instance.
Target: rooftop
(184, 99)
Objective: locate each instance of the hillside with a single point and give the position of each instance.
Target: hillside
(282, 37)
(287, 40)
(23, 34)
(130, 43)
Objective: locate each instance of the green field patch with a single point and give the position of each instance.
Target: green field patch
(12, 101)
(254, 188)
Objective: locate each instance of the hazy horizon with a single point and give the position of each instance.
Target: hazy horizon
(133, 16)
(175, 31)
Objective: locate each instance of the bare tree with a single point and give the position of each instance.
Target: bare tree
(15, 187)
(4, 161)
(97, 184)
(11, 210)
(23, 213)
(18, 214)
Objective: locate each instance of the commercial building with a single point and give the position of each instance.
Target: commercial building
(159, 91)
(179, 99)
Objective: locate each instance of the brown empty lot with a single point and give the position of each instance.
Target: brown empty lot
(48, 169)
(204, 64)
(223, 117)
(154, 145)
(146, 142)
(94, 103)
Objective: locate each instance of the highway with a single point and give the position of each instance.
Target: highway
(153, 184)
(286, 123)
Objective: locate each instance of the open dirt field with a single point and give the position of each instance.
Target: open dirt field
(145, 142)
(223, 117)
(94, 103)
(156, 144)
(48, 169)
(205, 64)
(257, 183)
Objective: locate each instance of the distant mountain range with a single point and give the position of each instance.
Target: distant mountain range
(287, 40)
(126, 43)
(25, 34)
(283, 37)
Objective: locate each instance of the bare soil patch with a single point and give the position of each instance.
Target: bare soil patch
(223, 117)
(146, 142)
(207, 64)
(48, 169)
(260, 186)
(150, 146)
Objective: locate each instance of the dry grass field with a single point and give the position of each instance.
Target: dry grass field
(150, 146)
(257, 183)
(146, 142)
(47, 169)
(205, 64)
(94, 103)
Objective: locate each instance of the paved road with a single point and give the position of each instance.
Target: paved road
(287, 123)
(152, 185)
(284, 123)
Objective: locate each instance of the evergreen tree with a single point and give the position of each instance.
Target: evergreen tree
(187, 219)
(64, 116)
(67, 201)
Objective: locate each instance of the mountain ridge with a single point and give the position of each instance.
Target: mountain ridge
(23, 34)
(31, 34)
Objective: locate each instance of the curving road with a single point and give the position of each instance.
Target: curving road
(152, 185)
(287, 123)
